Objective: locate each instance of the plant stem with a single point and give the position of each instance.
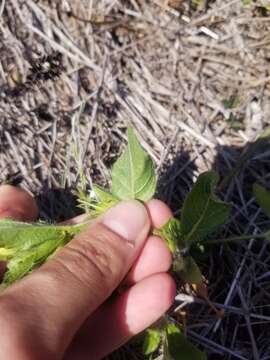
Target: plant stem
(237, 238)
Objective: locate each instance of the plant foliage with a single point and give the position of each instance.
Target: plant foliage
(26, 246)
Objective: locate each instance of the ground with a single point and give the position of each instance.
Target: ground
(193, 79)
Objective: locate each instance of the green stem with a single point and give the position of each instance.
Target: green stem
(237, 238)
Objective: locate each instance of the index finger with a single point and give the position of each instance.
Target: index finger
(17, 204)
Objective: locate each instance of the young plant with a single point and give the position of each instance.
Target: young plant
(202, 215)
(26, 246)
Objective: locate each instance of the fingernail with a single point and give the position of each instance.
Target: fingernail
(127, 219)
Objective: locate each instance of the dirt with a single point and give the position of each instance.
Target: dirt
(193, 81)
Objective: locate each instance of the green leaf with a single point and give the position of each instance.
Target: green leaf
(29, 245)
(191, 272)
(232, 102)
(203, 213)
(103, 195)
(25, 261)
(151, 341)
(6, 254)
(15, 234)
(171, 233)
(185, 266)
(262, 197)
(99, 203)
(133, 175)
(177, 347)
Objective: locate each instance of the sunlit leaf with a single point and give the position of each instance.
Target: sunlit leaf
(133, 174)
(6, 254)
(171, 233)
(27, 260)
(26, 246)
(98, 202)
(15, 234)
(103, 195)
(151, 341)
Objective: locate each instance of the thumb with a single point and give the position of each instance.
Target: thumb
(57, 298)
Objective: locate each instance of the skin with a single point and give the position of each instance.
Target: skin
(72, 307)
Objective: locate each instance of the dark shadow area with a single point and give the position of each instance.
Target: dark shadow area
(57, 205)
(237, 273)
(175, 179)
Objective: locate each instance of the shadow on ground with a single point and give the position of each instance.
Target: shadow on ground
(237, 274)
(57, 205)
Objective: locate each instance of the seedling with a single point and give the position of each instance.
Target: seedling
(26, 246)
(261, 9)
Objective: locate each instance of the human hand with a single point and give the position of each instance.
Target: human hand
(63, 309)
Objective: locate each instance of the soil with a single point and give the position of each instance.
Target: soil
(193, 79)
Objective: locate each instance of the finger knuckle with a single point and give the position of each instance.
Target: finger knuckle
(93, 258)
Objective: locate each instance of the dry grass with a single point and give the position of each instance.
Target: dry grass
(166, 68)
